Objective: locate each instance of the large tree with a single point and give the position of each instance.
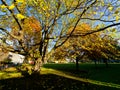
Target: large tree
(55, 17)
(97, 46)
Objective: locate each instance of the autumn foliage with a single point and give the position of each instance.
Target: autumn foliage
(95, 46)
(32, 24)
(80, 29)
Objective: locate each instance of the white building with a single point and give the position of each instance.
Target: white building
(16, 58)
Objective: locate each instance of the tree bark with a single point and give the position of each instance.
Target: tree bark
(38, 65)
(95, 63)
(77, 64)
(106, 63)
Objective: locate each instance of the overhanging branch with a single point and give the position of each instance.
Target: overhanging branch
(88, 33)
(83, 12)
(97, 19)
(15, 37)
(12, 13)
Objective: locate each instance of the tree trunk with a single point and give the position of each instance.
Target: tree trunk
(95, 63)
(77, 64)
(106, 63)
(39, 62)
(38, 65)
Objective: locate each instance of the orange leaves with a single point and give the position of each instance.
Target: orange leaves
(82, 28)
(30, 29)
(35, 24)
(32, 24)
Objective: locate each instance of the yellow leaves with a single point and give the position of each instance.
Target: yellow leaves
(70, 3)
(47, 15)
(55, 37)
(20, 1)
(66, 44)
(102, 3)
(82, 28)
(102, 13)
(110, 8)
(46, 41)
(74, 3)
(45, 8)
(20, 16)
(11, 7)
(52, 12)
(94, 12)
(117, 18)
(114, 30)
(3, 6)
(116, 12)
(113, 34)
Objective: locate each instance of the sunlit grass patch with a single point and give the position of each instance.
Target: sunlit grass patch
(100, 76)
(9, 73)
(60, 73)
(99, 73)
(51, 79)
(10, 69)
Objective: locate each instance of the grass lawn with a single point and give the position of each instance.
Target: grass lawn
(57, 77)
(89, 71)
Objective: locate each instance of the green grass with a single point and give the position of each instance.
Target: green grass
(101, 73)
(9, 73)
(60, 77)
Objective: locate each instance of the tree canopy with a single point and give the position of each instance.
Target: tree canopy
(97, 46)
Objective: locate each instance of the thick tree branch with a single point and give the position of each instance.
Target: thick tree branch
(101, 29)
(83, 12)
(15, 37)
(84, 34)
(97, 19)
(17, 7)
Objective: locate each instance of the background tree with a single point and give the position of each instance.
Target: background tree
(55, 19)
(99, 46)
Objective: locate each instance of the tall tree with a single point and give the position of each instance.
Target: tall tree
(55, 17)
(98, 46)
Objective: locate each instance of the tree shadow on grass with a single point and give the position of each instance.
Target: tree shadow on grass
(47, 82)
(89, 71)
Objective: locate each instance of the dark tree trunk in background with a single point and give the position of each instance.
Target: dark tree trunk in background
(106, 63)
(95, 63)
(77, 61)
(77, 64)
